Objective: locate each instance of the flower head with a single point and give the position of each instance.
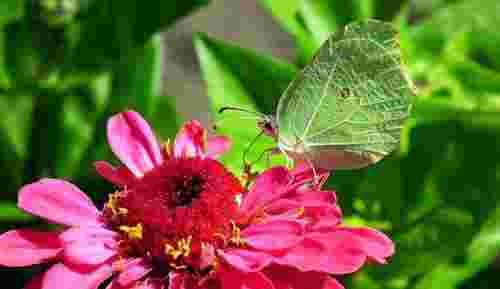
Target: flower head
(175, 223)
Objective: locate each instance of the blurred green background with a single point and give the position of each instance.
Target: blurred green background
(67, 65)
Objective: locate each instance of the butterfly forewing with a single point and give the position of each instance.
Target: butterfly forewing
(353, 96)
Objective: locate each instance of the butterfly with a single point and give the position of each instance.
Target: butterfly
(345, 109)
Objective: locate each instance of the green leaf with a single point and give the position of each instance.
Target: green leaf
(461, 90)
(387, 9)
(10, 213)
(136, 80)
(76, 131)
(480, 253)
(427, 42)
(323, 17)
(133, 85)
(15, 122)
(241, 78)
(165, 118)
(45, 135)
(262, 77)
(110, 32)
(10, 10)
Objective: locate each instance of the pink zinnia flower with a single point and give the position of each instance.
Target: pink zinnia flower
(175, 223)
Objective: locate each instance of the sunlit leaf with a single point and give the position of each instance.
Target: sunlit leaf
(255, 87)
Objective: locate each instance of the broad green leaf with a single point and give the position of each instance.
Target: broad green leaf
(10, 10)
(165, 118)
(11, 167)
(461, 90)
(480, 253)
(387, 9)
(46, 133)
(16, 121)
(15, 125)
(324, 17)
(238, 77)
(263, 77)
(428, 40)
(76, 132)
(21, 59)
(10, 213)
(110, 32)
(135, 81)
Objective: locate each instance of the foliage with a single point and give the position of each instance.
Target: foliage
(67, 65)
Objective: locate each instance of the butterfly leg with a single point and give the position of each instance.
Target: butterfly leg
(316, 176)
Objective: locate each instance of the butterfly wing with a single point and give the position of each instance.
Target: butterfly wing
(353, 97)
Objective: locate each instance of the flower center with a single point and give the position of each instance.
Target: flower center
(187, 190)
(176, 214)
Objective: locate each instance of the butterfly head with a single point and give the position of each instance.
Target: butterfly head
(269, 126)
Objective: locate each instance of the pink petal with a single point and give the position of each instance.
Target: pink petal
(345, 253)
(283, 206)
(312, 195)
(376, 245)
(268, 186)
(134, 270)
(77, 234)
(120, 176)
(245, 260)
(232, 279)
(274, 235)
(62, 277)
(325, 224)
(87, 253)
(190, 141)
(305, 256)
(58, 201)
(290, 278)
(25, 247)
(133, 142)
(217, 145)
(315, 212)
(88, 246)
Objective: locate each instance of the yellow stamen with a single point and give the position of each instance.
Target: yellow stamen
(111, 204)
(300, 212)
(183, 248)
(167, 148)
(236, 238)
(177, 267)
(120, 264)
(134, 232)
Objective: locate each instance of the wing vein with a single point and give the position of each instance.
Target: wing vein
(316, 110)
